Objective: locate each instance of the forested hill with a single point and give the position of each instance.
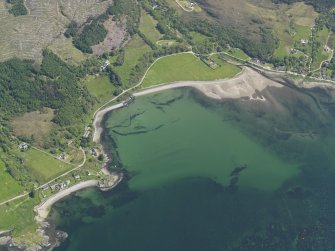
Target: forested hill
(318, 4)
(24, 88)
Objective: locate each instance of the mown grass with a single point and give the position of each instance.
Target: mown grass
(42, 166)
(100, 87)
(9, 187)
(148, 27)
(133, 52)
(183, 67)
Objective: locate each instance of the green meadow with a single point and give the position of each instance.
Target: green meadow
(184, 67)
(321, 37)
(43, 166)
(22, 213)
(148, 27)
(239, 54)
(100, 87)
(9, 187)
(135, 48)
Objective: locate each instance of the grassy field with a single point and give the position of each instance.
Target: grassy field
(43, 166)
(9, 187)
(198, 38)
(64, 48)
(148, 27)
(239, 54)
(135, 48)
(100, 87)
(37, 124)
(19, 216)
(322, 38)
(186, 67)
(282, 50)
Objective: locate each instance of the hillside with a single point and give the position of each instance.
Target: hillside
(63, 61)
(25, 36)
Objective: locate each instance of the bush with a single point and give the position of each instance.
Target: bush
(92, 34)
(18, 8)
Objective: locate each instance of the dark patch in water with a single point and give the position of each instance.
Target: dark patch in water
(138, 132)
(131, 118)
(297, 193)
(237, 170)
(160, 108)
(167, 102)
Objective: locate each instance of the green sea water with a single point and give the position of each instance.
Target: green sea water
(206, 175)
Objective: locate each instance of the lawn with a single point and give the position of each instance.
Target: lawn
(100, 87)
(183, 67)
(148, 27)
(133, 52)
(42, 166)
(9, 187)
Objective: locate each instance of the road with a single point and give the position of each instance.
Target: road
(50, 181)
(100, 112)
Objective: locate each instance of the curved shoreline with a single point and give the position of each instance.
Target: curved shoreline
(244, 84)
(42, 210)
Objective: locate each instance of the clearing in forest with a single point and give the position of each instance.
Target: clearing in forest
(100, 87)
(148, 27)
(35, 124)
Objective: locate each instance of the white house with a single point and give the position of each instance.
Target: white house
(105, 64)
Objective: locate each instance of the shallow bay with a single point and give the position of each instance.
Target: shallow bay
(207, 175)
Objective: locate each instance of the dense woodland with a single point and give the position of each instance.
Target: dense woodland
(93, 31)
(229, 36)
(24, 88)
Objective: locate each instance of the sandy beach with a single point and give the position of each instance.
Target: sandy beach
(98, 119)
(43, 209)
(244, 84)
